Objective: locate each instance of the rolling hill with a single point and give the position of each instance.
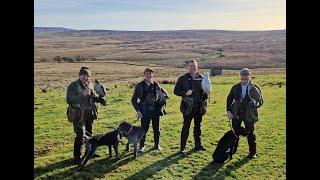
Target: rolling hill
(38, 30)
(254, 49)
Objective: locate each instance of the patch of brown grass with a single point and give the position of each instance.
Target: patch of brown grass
(59, 75)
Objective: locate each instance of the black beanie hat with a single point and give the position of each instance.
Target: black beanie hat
(84, 70)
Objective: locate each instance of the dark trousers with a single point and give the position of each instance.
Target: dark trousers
(236, 124)
(145, 122)
(78, 129)
(195, 114)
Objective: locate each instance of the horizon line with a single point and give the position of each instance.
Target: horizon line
(155, 30)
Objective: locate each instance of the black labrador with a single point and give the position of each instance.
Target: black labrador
(110, 139)
(227, 146)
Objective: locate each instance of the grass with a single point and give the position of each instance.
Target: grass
(59, 75)
(54, 138)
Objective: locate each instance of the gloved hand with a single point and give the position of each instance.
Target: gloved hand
(189, 92)
(204, 96)
(103, 102)
(86, 92)
(229, 114)
(139, 114)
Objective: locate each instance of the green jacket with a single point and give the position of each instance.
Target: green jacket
(144, 98)
(75, 97)
(234, 104)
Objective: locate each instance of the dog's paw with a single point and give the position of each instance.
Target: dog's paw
(109, 157)
(117, 158)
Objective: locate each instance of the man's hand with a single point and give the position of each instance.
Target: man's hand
(229, 114)
(139, 114)
(189, 92)
(86, 92)
(103, 102)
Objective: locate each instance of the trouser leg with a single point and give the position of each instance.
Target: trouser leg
(78, 141)
(251, 138)
(197, 130)
(145, 121)
(156, 130)
(185, 131)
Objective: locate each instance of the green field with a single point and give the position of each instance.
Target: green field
(53, 136)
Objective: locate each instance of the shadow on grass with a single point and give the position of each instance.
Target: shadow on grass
(94, 169)
(58, 165)
(212, 170)
(157, 166)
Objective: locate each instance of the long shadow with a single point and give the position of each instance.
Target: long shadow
(57, 165)
(97, 168)
(236, 165)
(157, 166)
(209, 171)
(212, 170)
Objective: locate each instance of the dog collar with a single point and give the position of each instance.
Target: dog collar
(130, 130)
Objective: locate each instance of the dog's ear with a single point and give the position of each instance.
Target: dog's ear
(120, 128)
(121, 125)
(128, 126)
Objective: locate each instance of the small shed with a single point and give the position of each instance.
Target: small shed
(216, 71)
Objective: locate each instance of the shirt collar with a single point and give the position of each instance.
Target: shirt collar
(195, 75)
(149, 83)
(244, 84)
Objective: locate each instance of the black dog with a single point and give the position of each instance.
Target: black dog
(227, 146)
(110, 139)
(133, 133)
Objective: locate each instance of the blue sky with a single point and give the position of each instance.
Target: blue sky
(161, 14)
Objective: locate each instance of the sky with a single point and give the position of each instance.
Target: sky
(161, 14)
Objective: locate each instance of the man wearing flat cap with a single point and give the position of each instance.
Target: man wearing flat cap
(81, 98)
(242, 107)
(145, 102)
